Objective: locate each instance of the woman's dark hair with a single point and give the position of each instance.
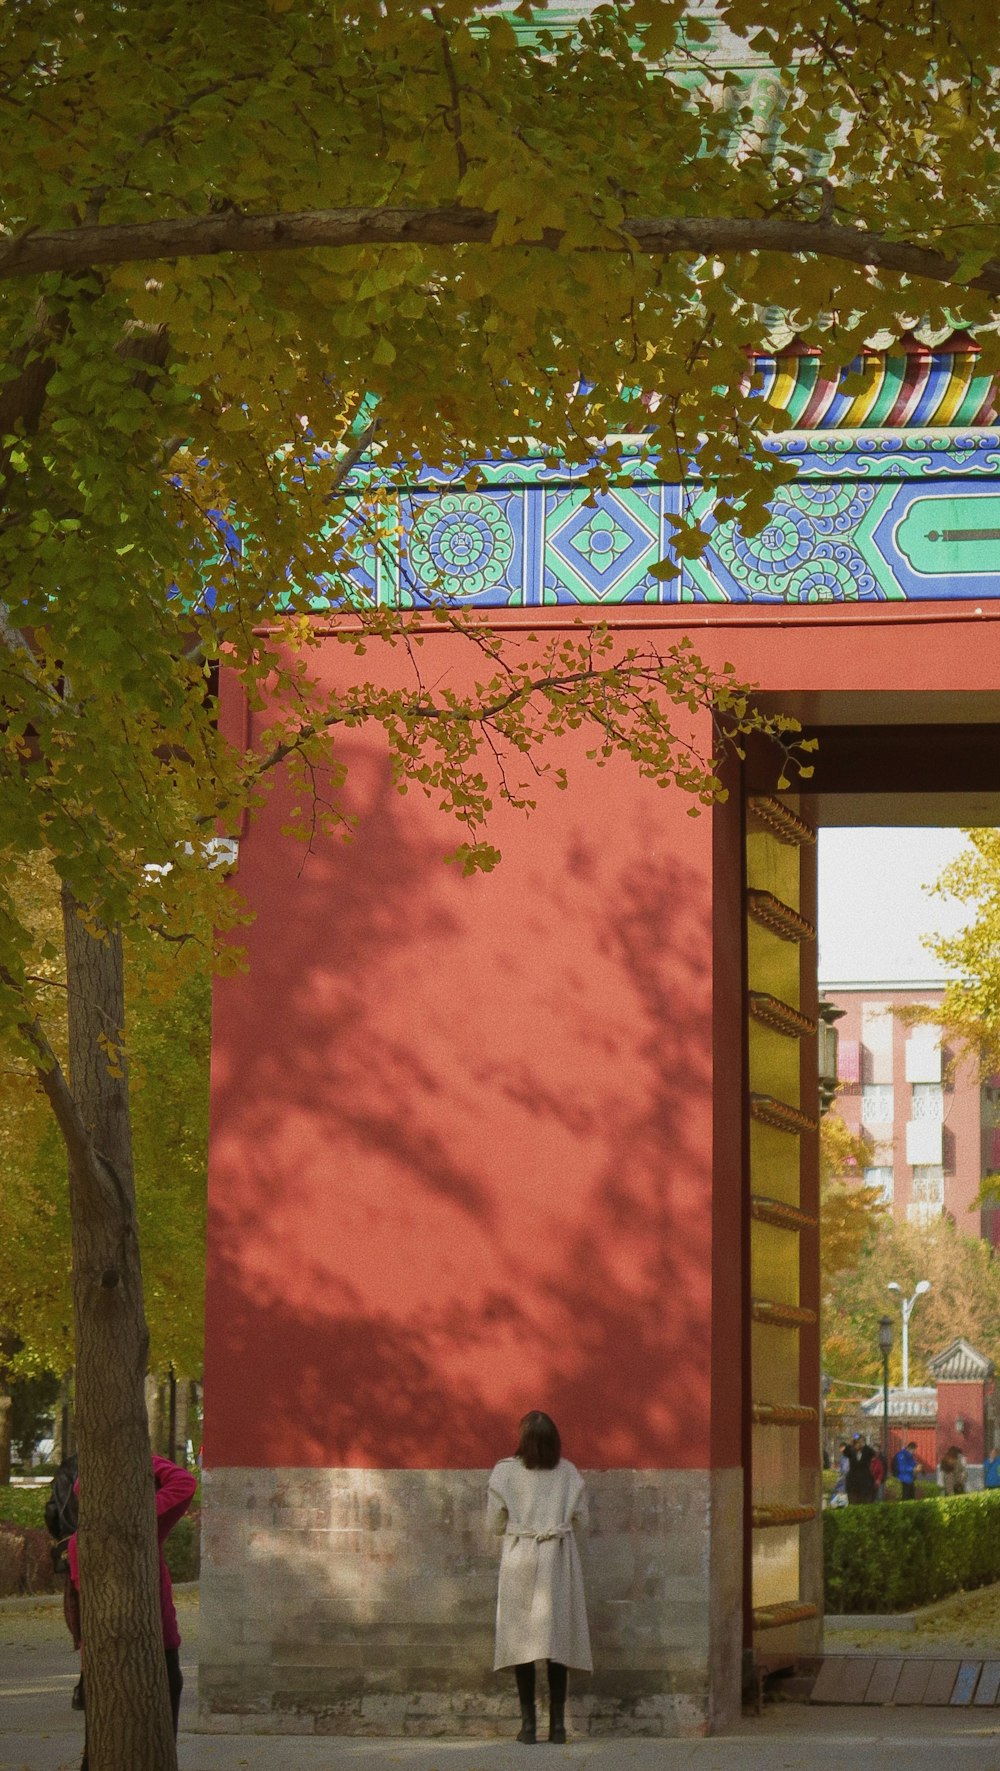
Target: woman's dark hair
(539, 1447)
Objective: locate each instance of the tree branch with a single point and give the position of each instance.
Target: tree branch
(33, 252)
(52, 1079)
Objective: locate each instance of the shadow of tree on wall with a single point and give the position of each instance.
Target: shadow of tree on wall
(383, 1582)
(460, 1163)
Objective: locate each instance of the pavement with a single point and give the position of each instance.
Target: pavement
(39, 1731)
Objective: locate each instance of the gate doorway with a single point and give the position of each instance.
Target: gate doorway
(898, 760)
(548, 1190)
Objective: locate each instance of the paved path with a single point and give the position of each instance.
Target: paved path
(39, 1731)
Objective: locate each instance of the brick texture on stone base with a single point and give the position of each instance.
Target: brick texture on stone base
(345, 1601)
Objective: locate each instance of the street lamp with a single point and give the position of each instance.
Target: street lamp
(906, 1306)
(885, 1332)
(826, 1052)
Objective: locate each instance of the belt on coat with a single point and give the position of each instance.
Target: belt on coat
(539, 1536)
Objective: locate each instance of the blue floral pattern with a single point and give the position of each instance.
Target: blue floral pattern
(460, 545)
(534, 534)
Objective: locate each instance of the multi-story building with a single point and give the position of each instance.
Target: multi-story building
(921, 1106)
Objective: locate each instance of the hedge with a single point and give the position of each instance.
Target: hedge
(880, 1559)
(23, 1506)
(927, 1489)
(25, 1562)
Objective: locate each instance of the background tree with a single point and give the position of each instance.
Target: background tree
(169, 1041)
(970, 1009)
(34, 1400)
(240, 245)
(852, 1217)
(850, 1213)
(964, 1299)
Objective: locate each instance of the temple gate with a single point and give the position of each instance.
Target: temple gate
(548, 1138)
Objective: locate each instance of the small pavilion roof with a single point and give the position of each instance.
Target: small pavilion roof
(918, 1403)
(960, 1363)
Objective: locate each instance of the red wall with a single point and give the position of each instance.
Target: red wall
(476, 1143)
(967, 1403)
(926, 1439)
(462, 1141)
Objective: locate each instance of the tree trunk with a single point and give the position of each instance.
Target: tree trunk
(6, 1405)
(171, 1415)
(182, 1392)
(128, 1710)
(154, 1411)
(65, 1424)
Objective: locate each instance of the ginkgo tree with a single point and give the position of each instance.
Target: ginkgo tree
(964, 1298)
(245, 247)
(970, 1006)
(850, 1211)
(168, 1046)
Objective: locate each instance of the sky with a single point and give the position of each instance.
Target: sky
(873, 908)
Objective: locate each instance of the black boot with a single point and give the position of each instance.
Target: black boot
(525, 1676)
(557, 1703)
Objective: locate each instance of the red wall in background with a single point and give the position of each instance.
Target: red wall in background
(476, 1143)
(926, 1440)
(965, 1403)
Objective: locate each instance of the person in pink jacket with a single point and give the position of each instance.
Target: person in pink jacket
(175, 1489)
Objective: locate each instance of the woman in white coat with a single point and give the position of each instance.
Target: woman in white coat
(535, 1498)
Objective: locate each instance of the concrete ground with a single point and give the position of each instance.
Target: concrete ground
(39, 1731)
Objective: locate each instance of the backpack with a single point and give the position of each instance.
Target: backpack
(62, 1512)
(895, 1463)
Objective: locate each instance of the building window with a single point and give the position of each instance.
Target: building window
(925, 1143)
(923, 1055)
(876, 1039)
(928, 1184)
(928, 1100)
(877, 1103)
(882, 1179)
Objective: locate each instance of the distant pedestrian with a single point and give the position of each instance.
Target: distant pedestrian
(859, 1481)
(838, 1494)
(535, 1498)
(905, 1465)
(991, 1469)
(953, 1469)
(961, 1471)
(62, 1511)
(175, 1489)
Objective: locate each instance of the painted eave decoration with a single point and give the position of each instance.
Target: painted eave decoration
(897, 499)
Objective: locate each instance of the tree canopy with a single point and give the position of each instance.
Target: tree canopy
(240, 246)
(850, 1213)
(169, 1045)
(245, 247)
(964, 1299)
(970, 1008)
(863, 1247)
(174, 360)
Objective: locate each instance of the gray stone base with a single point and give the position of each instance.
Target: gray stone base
(362, 1601)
